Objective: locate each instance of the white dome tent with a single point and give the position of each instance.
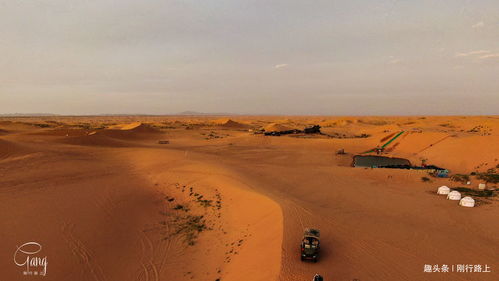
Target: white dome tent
(454, 195)
(467, 202)
(443, 190)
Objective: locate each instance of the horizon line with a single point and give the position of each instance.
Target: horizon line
(200, 114)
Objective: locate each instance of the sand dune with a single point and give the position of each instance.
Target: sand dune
(242, 223)
(130, 132)
(63, 132)
(118, 136)
(231, 124)
(136, 126)
(95, 140)
(275, 127)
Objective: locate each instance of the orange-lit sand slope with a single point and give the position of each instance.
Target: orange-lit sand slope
(219, 200)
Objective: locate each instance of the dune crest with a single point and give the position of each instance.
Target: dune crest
(231, 124)
(115, 136)
(127, 126)
(129, 131)
(276, 127)
(243, 228)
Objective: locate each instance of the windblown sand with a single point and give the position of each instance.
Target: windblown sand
(219, 202)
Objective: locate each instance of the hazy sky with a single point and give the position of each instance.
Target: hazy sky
(254, 57)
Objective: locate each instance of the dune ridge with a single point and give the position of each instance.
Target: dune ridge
(244, 225)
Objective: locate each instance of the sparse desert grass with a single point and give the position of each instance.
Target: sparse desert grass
(190, 227)
(187, 219)
(336, 135)
(214, 135)
(480, 129)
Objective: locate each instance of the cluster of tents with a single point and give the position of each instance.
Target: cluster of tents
(456, 196)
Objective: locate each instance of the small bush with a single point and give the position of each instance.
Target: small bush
(425, 179)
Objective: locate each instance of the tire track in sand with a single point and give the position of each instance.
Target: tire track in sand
(81, 252)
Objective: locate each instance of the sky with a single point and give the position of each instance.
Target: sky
(290, 57)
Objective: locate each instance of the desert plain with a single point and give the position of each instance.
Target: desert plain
(211, 198)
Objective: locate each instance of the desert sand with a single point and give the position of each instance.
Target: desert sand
(221, 201)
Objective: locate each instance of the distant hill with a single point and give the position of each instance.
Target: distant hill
(187, 113)
(27, 114)
(195, 113)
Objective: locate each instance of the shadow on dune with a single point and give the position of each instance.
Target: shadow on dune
(114, 137)
(9, 149)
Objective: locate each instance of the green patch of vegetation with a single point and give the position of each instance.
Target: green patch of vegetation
(476, 193)
(491, 176)
(462, 178)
